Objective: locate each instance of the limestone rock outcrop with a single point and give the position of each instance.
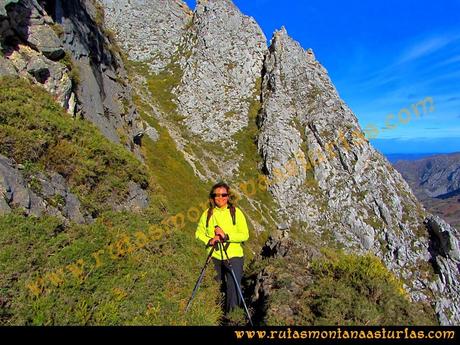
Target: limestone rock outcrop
(219, 76)
(327, 177)
(163, 24)
(31, 48)
(104, 97)
(51, 195)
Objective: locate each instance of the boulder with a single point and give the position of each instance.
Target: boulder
(7, 68)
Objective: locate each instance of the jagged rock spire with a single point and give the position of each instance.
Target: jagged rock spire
(327, 177)
(219, 77)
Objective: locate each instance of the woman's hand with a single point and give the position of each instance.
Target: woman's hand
(212, 242)
(220, 233)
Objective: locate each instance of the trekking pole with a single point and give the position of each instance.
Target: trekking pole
(200, 278)
(238, 288)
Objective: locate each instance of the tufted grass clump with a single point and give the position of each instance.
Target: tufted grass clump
(349, 289)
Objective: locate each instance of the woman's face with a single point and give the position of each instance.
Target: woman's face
(220, 196)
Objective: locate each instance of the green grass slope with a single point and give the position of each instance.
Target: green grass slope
(125, 268)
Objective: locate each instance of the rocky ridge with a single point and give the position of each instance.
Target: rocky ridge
(226, 54)
(314, 151)
(214, 48)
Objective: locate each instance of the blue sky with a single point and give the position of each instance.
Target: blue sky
(383, 57)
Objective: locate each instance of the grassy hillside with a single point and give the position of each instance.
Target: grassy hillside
(117, 271)
(36, 132)
(124, 268)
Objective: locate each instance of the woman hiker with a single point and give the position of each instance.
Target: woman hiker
(223, 226)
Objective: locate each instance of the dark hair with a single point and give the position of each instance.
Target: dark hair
(221, 184)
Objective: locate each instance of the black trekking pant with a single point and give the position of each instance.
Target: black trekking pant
(224, 275)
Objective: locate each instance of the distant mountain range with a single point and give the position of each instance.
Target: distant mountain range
(435, 180)
(394, 157)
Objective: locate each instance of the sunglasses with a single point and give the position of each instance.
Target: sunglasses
(218, 195)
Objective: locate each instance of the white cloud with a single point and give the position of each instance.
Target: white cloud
(426, 47)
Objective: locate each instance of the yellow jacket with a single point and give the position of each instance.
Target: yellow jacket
(237, 233)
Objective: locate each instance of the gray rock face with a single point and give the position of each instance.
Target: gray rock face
(33, 50)
(28, 23)
(51, 195)
(5, 27)
(65, 203)
(325, 175)
(149, 131)
(137, 199)
(219, 77)
(314, 150)
(7, 68)
(103, 97)
(14, 192)
(32, 25)
(52, 75)
(446, 237)
(219, 53)
(3, 4)
(444, 248)
(163, 24)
